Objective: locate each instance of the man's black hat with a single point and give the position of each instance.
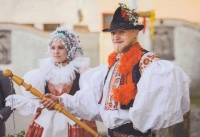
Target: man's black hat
(124, 18)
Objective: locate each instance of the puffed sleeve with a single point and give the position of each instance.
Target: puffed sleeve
(84, 103)
(35, 78)
(162, 98)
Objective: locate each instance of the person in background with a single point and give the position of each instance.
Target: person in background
(58, 74)
(6, 89)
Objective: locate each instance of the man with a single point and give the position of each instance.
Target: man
(137, 93)
(6, 88)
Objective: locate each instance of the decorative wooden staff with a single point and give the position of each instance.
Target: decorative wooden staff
(19, 81)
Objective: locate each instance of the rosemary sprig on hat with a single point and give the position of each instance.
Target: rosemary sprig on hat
(129, 15)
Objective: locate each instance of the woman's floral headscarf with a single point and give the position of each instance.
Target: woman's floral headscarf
(70, 41)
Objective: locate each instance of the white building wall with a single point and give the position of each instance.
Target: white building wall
(39, 12)
(64, 12)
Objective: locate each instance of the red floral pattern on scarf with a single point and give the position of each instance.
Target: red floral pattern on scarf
(111, 104)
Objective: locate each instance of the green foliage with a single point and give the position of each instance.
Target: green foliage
(195, 100)
(21, 134)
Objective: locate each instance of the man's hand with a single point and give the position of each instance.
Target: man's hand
(47, 103)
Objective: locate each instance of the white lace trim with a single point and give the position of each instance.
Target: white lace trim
(25, 106)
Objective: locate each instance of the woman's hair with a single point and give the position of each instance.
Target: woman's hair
(69, 39)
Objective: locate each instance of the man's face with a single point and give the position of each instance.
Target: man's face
(123, 39)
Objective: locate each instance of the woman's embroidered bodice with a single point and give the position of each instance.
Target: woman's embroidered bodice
(59, 89)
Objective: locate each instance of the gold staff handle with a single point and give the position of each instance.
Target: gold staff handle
(19, 81)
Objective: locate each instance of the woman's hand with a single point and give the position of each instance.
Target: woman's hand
(49, 103)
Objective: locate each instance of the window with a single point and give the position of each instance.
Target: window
(5, 57)
(107, 18)
(30, 25)
(163, 43)
(50, 27)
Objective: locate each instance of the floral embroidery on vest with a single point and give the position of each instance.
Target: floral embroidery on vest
(146, 60)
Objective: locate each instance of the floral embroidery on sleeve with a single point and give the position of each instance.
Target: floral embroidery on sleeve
(146, 60)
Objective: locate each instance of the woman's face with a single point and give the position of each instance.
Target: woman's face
(58, 51)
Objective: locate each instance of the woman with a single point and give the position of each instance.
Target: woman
(57, 74)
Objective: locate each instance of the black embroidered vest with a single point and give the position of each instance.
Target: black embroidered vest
(135, 77)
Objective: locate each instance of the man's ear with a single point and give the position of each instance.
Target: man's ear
(136, 31)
